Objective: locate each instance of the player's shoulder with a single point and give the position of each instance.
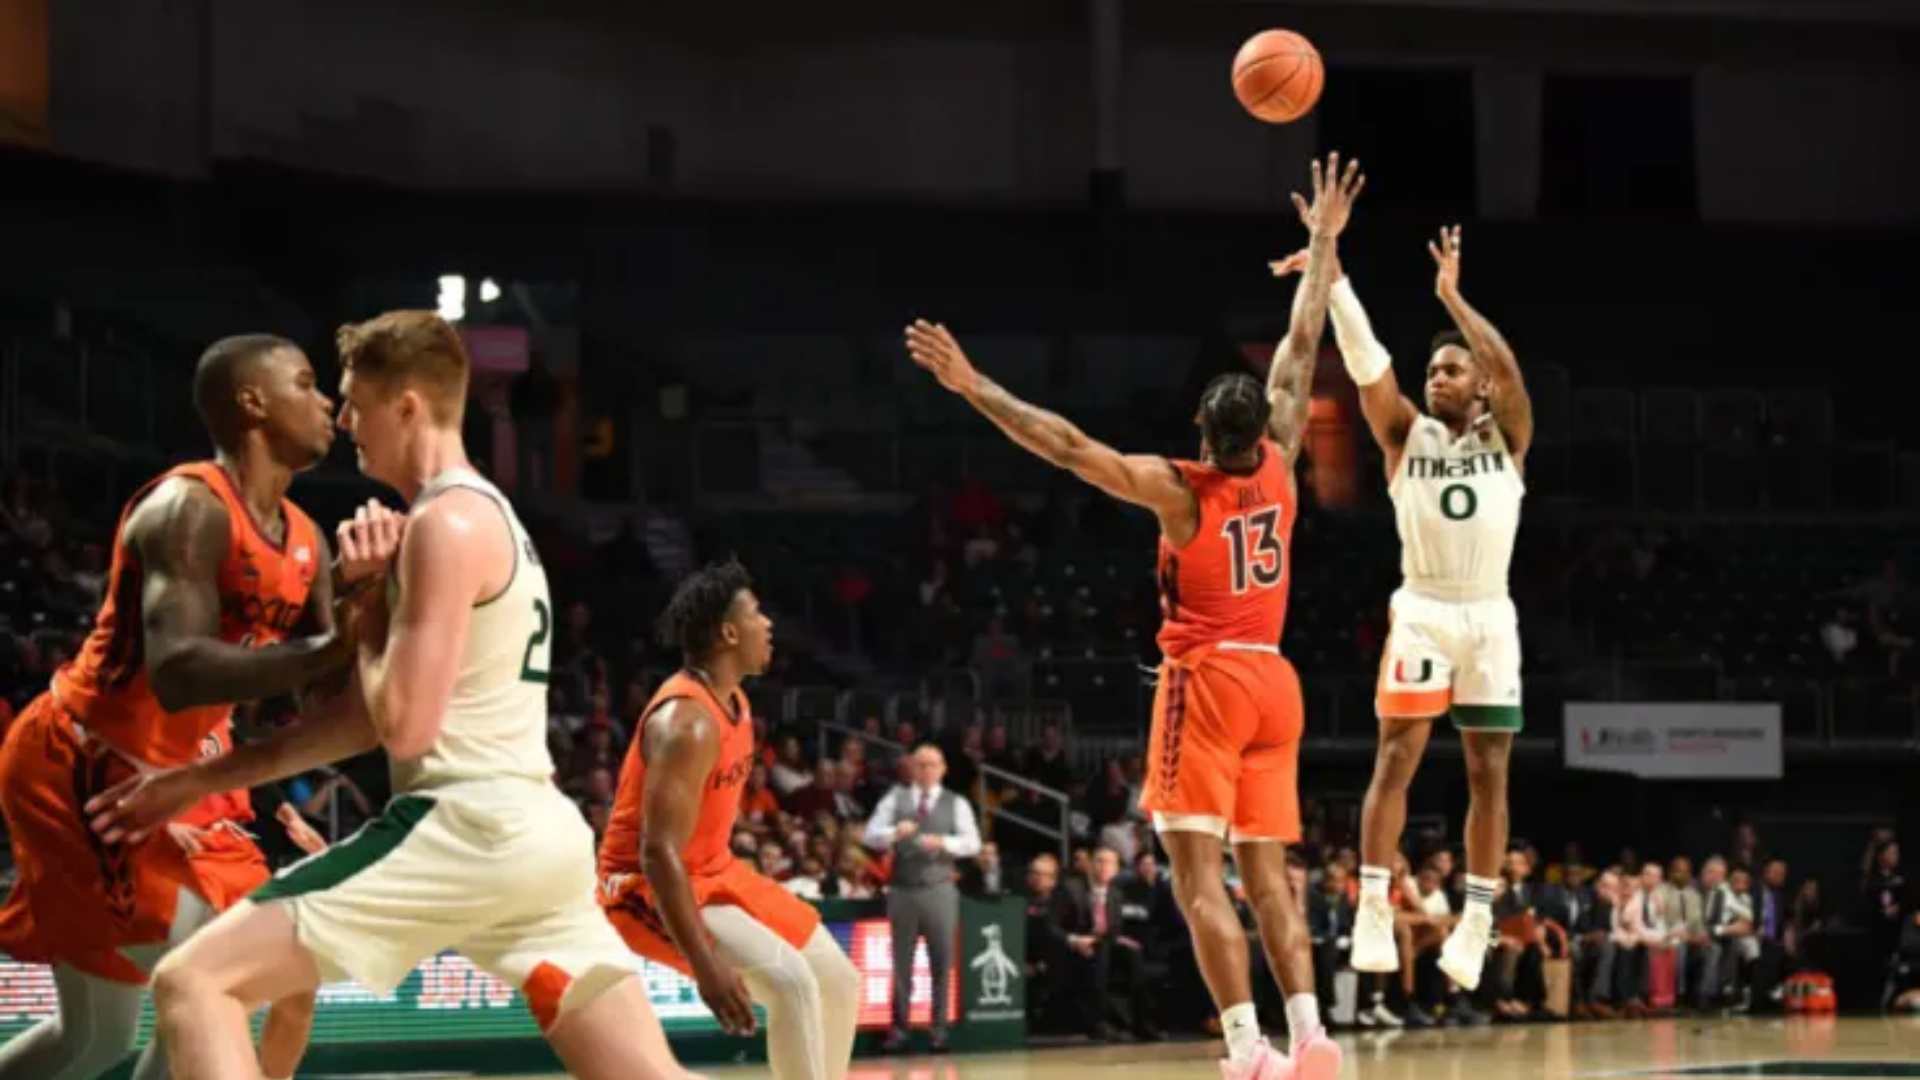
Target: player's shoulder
(177, 508)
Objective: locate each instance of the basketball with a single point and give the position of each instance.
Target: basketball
(1277, 76)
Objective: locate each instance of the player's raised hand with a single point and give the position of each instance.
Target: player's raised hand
(130, 811)
(1334, 193)
(933, 348)
(1446, 258)
(368, 540)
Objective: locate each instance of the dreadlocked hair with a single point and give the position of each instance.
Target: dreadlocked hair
(699, 607)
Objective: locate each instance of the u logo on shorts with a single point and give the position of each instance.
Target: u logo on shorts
(1400, 673)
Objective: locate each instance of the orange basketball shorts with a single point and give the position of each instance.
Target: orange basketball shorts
(76, 900)
(230, 866)
(630, 905)
(1224, 753)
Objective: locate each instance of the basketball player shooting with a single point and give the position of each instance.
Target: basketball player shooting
(217, 593)
(1223, 752)
(1455, 475)
(477, 851)
(671, 884)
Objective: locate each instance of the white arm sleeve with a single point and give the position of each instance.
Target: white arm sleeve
(1367, 360)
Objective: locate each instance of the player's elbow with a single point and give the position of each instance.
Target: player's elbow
(171, 676)
(410, 739)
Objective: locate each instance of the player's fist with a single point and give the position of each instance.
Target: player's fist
(724, 992)
(368, 540)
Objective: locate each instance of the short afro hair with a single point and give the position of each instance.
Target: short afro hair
(223, 369)
(699, 606)
(1448, 337)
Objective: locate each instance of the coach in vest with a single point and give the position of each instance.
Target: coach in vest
(927, 828)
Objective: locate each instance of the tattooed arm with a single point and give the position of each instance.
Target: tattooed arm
(1146, 480)
(1290, 380)
(180, 534)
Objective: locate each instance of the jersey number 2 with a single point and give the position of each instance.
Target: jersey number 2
(538, 644)
(1257, 557)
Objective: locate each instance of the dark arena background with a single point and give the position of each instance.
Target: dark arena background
(681, 240)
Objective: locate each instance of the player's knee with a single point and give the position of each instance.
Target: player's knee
(790, 980)
(1487, 759)
(175, 985)
(838, 979)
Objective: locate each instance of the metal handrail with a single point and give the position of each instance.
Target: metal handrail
(1061, 835)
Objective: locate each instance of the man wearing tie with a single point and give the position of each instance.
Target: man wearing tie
(927, 828)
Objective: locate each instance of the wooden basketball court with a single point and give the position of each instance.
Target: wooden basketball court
(1682, 1050)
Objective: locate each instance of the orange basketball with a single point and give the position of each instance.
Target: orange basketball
(1277, 76)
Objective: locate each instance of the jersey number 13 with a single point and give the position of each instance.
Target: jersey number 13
(1256, 555)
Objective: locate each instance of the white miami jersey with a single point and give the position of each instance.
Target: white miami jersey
(1457, 504)
(496, 722)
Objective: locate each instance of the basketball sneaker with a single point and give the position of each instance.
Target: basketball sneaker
(1465, 953)
(1266, 1064)
(1317, 1057)
(1374, 949)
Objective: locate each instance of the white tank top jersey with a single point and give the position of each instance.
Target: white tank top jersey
(496, 723)
(1457, 505)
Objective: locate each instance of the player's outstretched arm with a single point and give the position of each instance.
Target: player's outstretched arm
(1512, 408)
(1290, 379)
(408, 663)
(682, 744)
(1141, 479)
(181, 535)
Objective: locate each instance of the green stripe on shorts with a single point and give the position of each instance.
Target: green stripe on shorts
(1487, 717)
(373, 842)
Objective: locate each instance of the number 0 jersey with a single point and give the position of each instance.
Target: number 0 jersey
(1229, 584)
(1457, 504)
(496, 722)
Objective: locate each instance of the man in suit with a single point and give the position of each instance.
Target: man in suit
(1046, 938)
(927, 828)
(1772, 916)
(1100, 955)
(986, 878)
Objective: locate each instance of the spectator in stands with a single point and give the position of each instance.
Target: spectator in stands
(1885, 897)
(998, 753)
(1806, 923)
(985, 877)
(1048, 765)
(996, 656)
(1330, 926)
(809, 883)
(927, 828)
(1840, 636)
(1686, 913)
(1597, 947)
(757, 803)
(1519, 986)
(1746, 846)
(1046, 941)
(1642, 932)
(1707, 945)
(770, 858)
(1099, 958)
(790, 771)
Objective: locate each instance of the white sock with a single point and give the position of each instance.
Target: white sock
(1375, 881)
(1480, 896)
(1303, 1018)
(1241, 1026)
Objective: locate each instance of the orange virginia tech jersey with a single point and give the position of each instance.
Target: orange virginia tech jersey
(263, 594)
(1230, 582)
(708, 850)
